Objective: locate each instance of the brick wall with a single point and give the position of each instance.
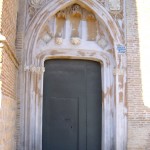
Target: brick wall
(8, 74)
(9, 105)
(9, 20)
(138, 112)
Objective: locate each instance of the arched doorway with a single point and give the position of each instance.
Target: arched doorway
(74, 30)
(72, 105)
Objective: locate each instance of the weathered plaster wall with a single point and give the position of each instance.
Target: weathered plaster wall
(138, 112)
(8, 74)
(9, 21)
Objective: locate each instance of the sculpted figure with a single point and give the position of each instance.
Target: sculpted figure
(60, 22)
(91, 26)
(75, 18)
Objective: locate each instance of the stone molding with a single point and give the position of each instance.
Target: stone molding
(5, 45)
(107, 67)
(76, 10)
(58, 40)
(119, 72)
(34, 69)
(75, 40)
(113, 86)
(36, 3)
(114, 5)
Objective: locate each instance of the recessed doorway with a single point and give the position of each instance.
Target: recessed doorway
(72, 105)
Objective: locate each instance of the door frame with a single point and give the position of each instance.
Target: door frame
(34, 86)
(113, 69)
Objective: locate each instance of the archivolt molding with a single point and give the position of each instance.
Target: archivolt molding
(36, 3)
(100, 56)
(55, 46)
(53, 6)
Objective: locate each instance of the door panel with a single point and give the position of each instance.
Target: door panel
(94, 119)
(72, 105)
(62, 124)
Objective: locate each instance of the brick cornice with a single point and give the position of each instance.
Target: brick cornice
(9, 50)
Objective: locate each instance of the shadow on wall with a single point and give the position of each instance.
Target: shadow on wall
(138, 73)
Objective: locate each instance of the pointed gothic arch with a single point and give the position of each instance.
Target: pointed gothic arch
(113, 75)
(54, 6)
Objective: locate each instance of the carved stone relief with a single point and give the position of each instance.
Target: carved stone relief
(102, 42)
(114, 5)
(45, 35)
(59, 40)
(36, 3)
(32, 11)
(115, 8)
(75, 14)
(75, 18)
(103, 39)
(117, 12)
(34, 6)
(92, 27)
(75, 40)
(60, 22)
(32, 68)
(77, 22)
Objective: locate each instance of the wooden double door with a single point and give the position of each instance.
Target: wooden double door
(72, 105)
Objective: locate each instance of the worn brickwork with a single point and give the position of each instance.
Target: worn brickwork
(9, 16)
(138, 113)
(8, 76)
(8, 108)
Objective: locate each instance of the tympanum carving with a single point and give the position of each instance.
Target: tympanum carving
(75, 40)
(60, 22)
(102, 42)
(59, 40)
(74, 24)
(45, 35)
(75, 18)
(91, 26)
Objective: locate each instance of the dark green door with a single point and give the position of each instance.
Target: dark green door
(72, 105)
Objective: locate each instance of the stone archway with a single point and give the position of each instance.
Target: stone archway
(41, 44)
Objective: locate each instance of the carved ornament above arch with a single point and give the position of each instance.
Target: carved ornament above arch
(36, 3)
(114, 7)
(73, 28)
(98, 17)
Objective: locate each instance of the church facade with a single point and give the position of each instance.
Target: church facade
(72, 75)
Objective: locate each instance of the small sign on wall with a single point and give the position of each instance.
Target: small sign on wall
(121, 49)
